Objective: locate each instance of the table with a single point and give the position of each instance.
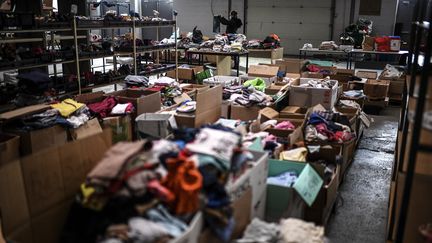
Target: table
(273, 54)
(355, 52)
(223, 60)
(303, 53)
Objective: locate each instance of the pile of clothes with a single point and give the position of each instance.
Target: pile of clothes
(168, 88)
(147, 191)
(246, 96)
(223, 43)
(319, 83)
(270, 42)
(328, 126)
(392, 72)
(328, 45)
(34, 87)
(317, 69)
(110, 106)
(287, 231)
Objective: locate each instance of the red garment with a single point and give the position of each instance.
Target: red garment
(382, 43)
(342, 136)
(322, 129)
(313, 68)
(185, 181)
(103, 109)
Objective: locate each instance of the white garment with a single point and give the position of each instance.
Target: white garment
(120, 109)
(298, 231)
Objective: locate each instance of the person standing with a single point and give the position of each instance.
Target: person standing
(233, 23)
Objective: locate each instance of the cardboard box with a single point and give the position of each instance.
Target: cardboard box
(193, 232)
(90, 98)
(28, 110)
(282, 201)
(225, 109)
(144, 101)
(256, 179)
(154, 125)
(36, 140)
(376, 88)
(243, 113)
(367, 74)
(294, 112)
(13, 200)
(186, 73)
(208, 109)
(273, 89)
(9, 148)
(263, 71)
(271, 114)
(308, 97)
(396, 87)
(90, 128)
(22, 234)
(290, 65)
(121, 127)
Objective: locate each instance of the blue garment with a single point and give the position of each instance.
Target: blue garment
(316, 118)
(161, 216)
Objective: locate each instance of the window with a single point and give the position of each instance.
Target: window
(370, 7)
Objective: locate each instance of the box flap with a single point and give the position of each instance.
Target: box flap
(345, 71)
(28, 110)
(182, 98)
(90, 128)
(291, 109)
(365, 119)
(90, 97)
(292, 75)
(268, 114)
(208, 99)
(263, 71)
(308, 184)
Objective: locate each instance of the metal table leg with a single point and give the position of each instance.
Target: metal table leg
(247, 62)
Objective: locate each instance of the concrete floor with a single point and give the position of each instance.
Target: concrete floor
(361, 210)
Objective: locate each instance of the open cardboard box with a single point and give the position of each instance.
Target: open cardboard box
(376, 88)
(293, 112)
(208, 109)
(367, 74)
(9, 148)
(185, 73)
(144, 101)
(90, 98)
(271, 114)
(308, 96)
(239, 112)
(290, 65)
(267, 73)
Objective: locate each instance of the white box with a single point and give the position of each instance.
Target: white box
(221, 80)
(193, 232)
(268, 81)
(255, 178)
(308, 97)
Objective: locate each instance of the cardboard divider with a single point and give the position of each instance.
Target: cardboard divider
(143, 100)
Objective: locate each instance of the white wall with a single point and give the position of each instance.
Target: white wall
(193, 13)
(382, 25)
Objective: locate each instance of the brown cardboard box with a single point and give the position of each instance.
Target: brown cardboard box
(273, 89)
(312, 75)
(271, 114)
(376, 88)
(225, 109)
(36, 140)
(367, 74)
(90, 128)
(350, 72)
(48, 226)
(369, 43)
(186, 73)
(28, 110)
(294, 112)
(90, 98)
(9, 148)
(308, 96)
(290, 65)
(263, 71)
(208, 109)
(239, 112)
(143, 100)
(13, 200)
(121, 127)
(396, 87)
(22, 234)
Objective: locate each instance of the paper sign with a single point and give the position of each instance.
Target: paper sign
(257, 145)
(308, 185)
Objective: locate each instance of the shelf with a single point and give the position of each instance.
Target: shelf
(21, 40)
(151, 49)
(35, 65)
(150, 24)
(158, 71)
(35, 30)
(94, 86)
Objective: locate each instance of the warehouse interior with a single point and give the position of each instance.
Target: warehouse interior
(201, 121)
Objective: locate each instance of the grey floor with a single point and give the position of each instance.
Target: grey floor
(361, 210)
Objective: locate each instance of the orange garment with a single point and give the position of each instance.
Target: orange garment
(185, 181)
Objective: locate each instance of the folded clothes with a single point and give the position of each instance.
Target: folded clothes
(286, 179)
(121, 109)
(138, 81)
(67, 107)
(103, 109)
(297, 154)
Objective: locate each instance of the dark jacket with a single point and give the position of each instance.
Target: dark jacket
(232, 24)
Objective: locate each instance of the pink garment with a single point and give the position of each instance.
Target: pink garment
(322, 129)
(285, 125)
(342, 136)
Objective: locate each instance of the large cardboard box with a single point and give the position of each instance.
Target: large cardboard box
(256, 179)
(154, 125)
(9, 148)
(263, 71)
(367, 74)
(271, 114)
(89, 128)
(284, 201)
(308, 97)
(13, 200)
(121, 127)
(186, 73)
(90, 98)
(376, 88)
(36, 140)
(290, 65)
(144, 101)
(243, 113)
(28, 110)
(193, 232)
(294, 112)
(208, 109)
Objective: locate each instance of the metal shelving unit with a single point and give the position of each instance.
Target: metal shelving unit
(411, 121)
